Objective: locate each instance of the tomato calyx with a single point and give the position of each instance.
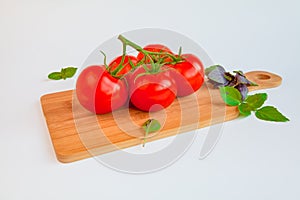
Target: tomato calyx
(151, 69)
(151, 92)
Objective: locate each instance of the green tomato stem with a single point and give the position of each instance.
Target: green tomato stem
(128, 42)
(120, 66)
(156, 66)
(145, 52)
(180, 51)
(105, 64)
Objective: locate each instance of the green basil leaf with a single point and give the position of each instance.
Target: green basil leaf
(245, 109)
(257, 100)
(150, 126)
(230, 95)
(55, 76)
(270, 113)
(69, 72)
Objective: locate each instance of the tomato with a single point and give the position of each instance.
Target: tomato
(151, 92)
(126, 64)
(99, 92)
(154, 48)
(195, 61)
(189, 75)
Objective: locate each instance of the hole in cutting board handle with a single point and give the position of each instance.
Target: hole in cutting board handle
(263, 77)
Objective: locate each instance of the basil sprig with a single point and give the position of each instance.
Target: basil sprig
(64, 73)
(234, 92)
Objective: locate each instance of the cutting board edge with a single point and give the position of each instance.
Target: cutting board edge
(80, 155)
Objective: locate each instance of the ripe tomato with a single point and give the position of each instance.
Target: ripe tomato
(151, 92)
(126, 64)
(189, 75)
(154, 48)
(195, 61)
(99, 92)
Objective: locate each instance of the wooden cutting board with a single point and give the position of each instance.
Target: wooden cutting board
(77, 134)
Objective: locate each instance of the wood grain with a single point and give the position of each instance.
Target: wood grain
(77, 134)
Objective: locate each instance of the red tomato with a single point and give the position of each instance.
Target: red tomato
(151, 92)
(195, 61)
(126, 65)
(99, 92)
(154, 48)
(189, 75)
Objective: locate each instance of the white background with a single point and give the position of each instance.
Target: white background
(253, 159)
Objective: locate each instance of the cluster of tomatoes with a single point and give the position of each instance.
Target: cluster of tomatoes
(150, 81)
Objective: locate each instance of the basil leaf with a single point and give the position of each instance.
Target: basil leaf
(257, 100)
(150, 126)
(70, 72)
(243, 89)
(241, 78)
(217, 75)
(230, 95)
(214, 67)
(245, 109)
(229, 76)
(270, 113)
(55, 76)
(240, 72)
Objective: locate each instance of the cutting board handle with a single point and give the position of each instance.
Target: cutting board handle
(264, 80)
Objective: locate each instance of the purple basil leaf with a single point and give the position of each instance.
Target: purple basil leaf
(243, 89)
(241, 78)
(216, 85)
(214, 67)
(233, 81)
(217, 75)
(252, 83)
(239, 72)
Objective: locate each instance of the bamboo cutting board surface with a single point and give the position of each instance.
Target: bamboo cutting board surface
(77, 134)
